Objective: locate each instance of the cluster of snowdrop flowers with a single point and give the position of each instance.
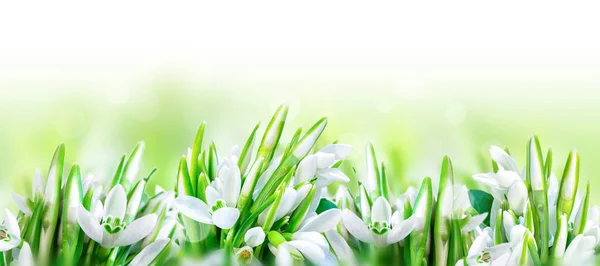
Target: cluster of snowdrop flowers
(75, 220)
(258, 205)
(268, 203)
(536, 219)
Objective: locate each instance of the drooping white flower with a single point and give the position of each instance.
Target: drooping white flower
(506, 183)
(384, 229)
(111, 230)
(310, 245)
(10, 233)
(483, 252)
(221, 199)
(460, 203)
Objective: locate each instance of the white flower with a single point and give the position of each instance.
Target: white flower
(482, 252)
(507, 182)
(384, 228)
(111, 230)
(254, 237)
(221, 199)
(460, 203)
(10, 233)
(218, 214)
(310, 245)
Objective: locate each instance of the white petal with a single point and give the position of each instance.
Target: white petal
(401, 230)
(254, 236)
(283, 256)
(356, 226)
(193, 208)
(21, 203)
(307, 168)
(474, 222)
(286, 204)
(115, 203)
(25, 256)
(506, 178)
(5, 246)
(330, 175)
(341, 248)
(11, 223)
(478, 245)
(339, 150)
(381, 211)
(301, 194)
(232, 182)
(517, 197)
(137, 230)
(309, 250)
(226, 217)
(313, 237)
(580, 249)
(324, 160)
(323, 222)
(487, 179)
(89, 224)
(503, 159)
(149, 253)
(212, 195)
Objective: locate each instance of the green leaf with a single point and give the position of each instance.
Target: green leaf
(324, 205)
(481, 202)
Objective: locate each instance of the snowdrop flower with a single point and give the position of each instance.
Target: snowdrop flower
(111, 230)
(253, 238)
(460, 204)
(241, 256)
(319, 165)
(10, 233)
(482, 252)
(384, 229)
(221, 199)
(298, 246)
(506, 183)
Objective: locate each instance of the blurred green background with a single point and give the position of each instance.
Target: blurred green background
(420, 82)
(413, 118)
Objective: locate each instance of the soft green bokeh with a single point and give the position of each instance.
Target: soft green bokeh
(412, 117)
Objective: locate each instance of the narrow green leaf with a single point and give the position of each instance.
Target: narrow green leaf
(132, 167)
(373, 176)
(272, 134)
(246, 154)
(184, 187)
(196, 149)
(51, 205)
